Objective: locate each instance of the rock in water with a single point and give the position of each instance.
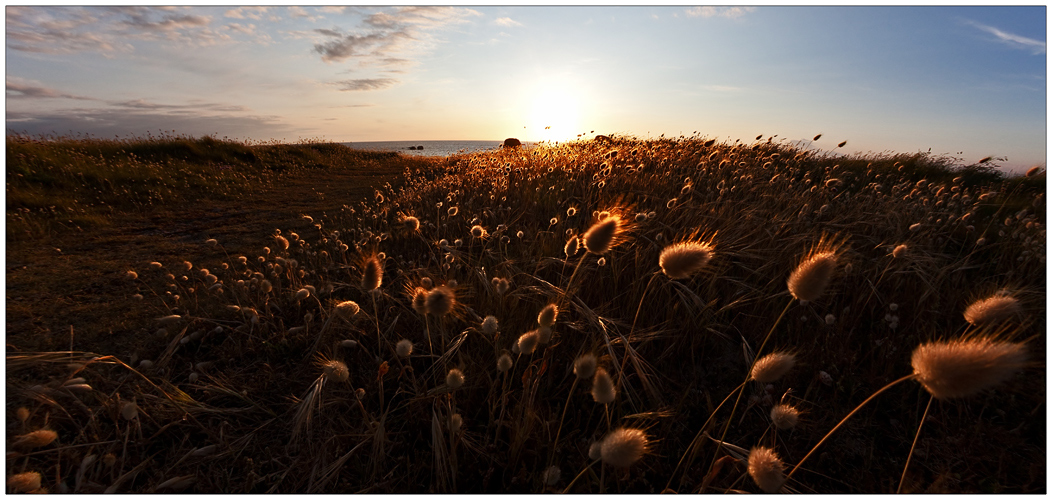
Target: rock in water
(511, 142)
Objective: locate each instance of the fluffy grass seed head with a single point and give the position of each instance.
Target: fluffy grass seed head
(900, 251)
(440, 300)
(501, 285)
(504, 363)
(603, 390)
(573, 245)
(623, 446)
(547, 315)
(812, 276)
(36, 439)
(129, 410)
(411, 223)
(419, 299)
(584, 366)
(24, 482)
(551, 475)
(455, 379)
(784, 416)
(544, 334)
(478, 231)
(372, 273)
(963, 367)
(605, 234)
(772, 367)
(528, 342)
(404, 348)
(335, 370)
(595, 451)
(993, 310)
(681, 260)
(766, 469)
(490, 325)
(347, 309)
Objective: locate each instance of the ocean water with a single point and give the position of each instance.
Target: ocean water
(431, 148)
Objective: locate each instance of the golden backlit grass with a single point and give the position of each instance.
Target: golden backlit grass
(438, 397)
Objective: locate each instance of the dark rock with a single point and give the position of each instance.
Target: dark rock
(511, 142)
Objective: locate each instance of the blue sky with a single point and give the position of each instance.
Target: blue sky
(965, 81)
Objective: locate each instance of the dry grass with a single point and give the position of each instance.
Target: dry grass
(229, 374)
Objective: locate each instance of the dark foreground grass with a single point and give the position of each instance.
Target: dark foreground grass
(236, 371)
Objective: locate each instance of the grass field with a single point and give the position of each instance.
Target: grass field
(613, 315)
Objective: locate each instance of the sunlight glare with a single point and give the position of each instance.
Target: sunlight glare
(555, 116)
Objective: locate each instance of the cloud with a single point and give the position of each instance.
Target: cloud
(727, 12)
(24, 90)
(421, 17)
(32, 29)
(247, 29)
(255, 13)
(142, 20)
(506, 21)
(194, 107)
(366, 84)
(1012, 40)
(106, 30)
(297, 11)
(134, 117)
(396, 33)
(109, 122)
(357, 45)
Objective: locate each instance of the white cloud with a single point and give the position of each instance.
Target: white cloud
(506, 21)
(255, 13)
(1012, 40)
(106, 30)
(728, 12)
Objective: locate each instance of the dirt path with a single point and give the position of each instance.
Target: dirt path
(75, 282)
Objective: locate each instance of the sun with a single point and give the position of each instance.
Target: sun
(555, 115)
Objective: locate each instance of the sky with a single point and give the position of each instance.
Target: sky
(968, 82)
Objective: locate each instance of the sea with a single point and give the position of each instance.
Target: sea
(430, 148)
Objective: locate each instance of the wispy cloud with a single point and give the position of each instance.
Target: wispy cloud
(397, 33)
(506, 21)
(728, 12)
(144, 20)
(192, 107)
(1011, 39)
(347, 46)
(19, 89)
(366, 84)
(110, 122)
(255, 13)
(108, 30)
(31, 29)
